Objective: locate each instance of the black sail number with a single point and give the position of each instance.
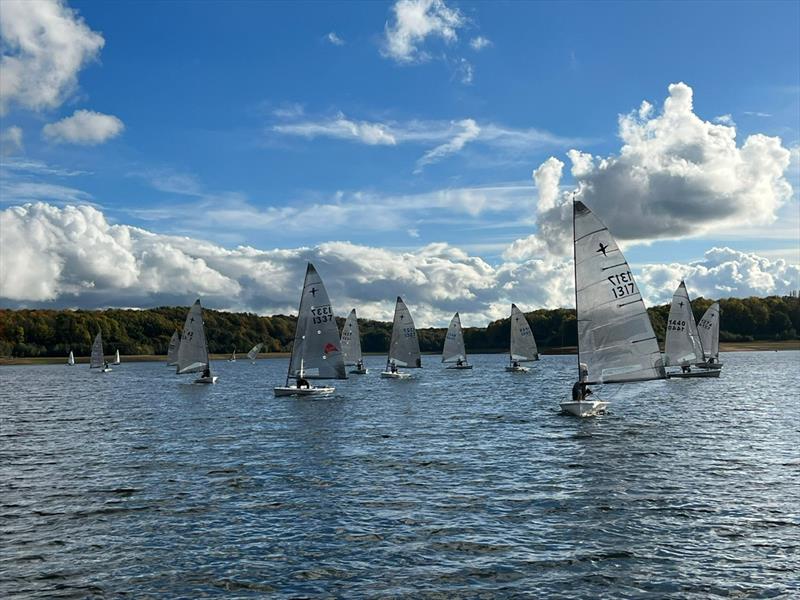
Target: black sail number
(321, 314)
(622, 284)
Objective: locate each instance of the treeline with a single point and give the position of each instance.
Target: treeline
(26, 333)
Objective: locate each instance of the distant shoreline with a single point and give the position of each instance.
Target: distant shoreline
(757, 346)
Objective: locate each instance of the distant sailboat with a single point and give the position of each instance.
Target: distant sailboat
(523, 344)
(253, 354)
(682, 347)
(98, 360)
(71, 359)
(117, 361)
(616, 342)
(404, 345)
(351, 344)
(172, 350)
(709, 338)
(454, 350)
(315, 352)
(193, 349)
(233, 356)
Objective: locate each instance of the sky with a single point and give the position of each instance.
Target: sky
(154, 152)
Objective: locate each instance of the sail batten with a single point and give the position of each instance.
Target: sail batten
(316, 352)
(616, 341)
(682, 345)
(454, 349)
(351, 340)
(193, 349)
(404, 345)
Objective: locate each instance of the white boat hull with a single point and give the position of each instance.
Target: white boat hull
(517, 369)
(302, 392)
(397, 375)
(705, 365)
(208, 380)
(104, 370)
(584, 408)
(691, 374)
(360, 371)
(460, 367)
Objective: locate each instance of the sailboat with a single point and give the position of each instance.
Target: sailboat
(71, 359)
(404, 345)
(233, 356)
(616, 342)
(117, 361)
(454, 350)
(172, 350)
(315, 352)
(709, 338)
(193, 350)
(351, 345)
(98, 360)
(253, 354)
(523, 344)
(682, 347)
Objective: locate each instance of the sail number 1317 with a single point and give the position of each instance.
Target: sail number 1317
(622, 284)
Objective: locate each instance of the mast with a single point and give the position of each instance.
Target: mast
(575, 280)
(297, 330)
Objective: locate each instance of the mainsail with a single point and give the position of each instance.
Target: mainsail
(404, 346)
(682, 345)
(172, 351)
(97, 352)
(193, 349)
(71, 359)
(523, 344)
(454, 349)
(615, 338)
(709, 331)
(254, 351)
(351, 340)
(316, 352)
(117, 359)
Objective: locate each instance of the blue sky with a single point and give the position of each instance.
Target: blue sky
(288, 125)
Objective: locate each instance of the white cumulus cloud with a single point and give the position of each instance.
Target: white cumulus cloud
(84, 127)
(44, 46)
(334, 39)
(416, 20)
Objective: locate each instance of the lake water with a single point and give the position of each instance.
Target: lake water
(452, 484)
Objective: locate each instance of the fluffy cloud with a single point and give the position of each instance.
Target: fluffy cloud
(44, 46)
(73, 256)
(84, 127)
(416, 20)
(10, 141)
(334, 39)
(479, 43)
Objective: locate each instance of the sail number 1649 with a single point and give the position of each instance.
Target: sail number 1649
(622, 284)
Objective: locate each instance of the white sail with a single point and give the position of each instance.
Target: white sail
(254, 351)
(615, 338)
(454, 349)
(709, 331)
(682, 344)
(351, 340)
(172, 351)
(404, 346)
(71, 359)
(193, 349)
(116, 358)
(97, 360)
(523, 344)
(316, 352)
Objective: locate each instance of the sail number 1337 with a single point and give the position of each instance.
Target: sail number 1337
(622, 284)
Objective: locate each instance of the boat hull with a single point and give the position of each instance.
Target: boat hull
(282, 391)
(517, 369)
(460, 367)
(397, 375)
(584, 408)
(692, 374)
(359, 371)
(207, 380)
(105, 370)
(716, 366)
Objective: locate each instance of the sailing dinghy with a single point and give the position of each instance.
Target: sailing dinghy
(454, 350)
(523, 345)
(233, 356)
(193, 349)
(682, 347)
(315, 352)
(71, 359)
(709, 338)
(253, 354)
(351, 345)
(117, 360)
(98, 360)
(616, 342)
(172, 350)
(404, 345)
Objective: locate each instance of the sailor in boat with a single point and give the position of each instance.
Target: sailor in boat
(302, 382)
(459, 363)
(360, 365)
(515, 364)
(207, 372)
(686, 369)
(393, 368)
(580, 391)
(105, 364)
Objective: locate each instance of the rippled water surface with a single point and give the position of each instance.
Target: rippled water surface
(452, 484)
